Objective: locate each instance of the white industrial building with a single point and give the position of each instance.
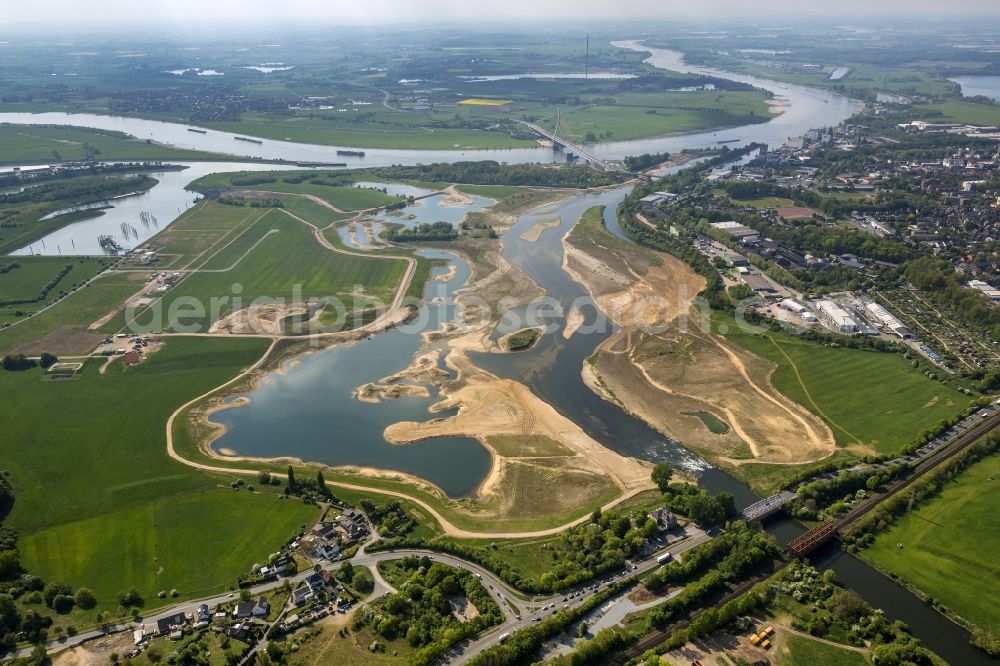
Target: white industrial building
(801, 310)
(985, 288)
(887, 319)
(836, 317)
(793, 305)
(740, 232)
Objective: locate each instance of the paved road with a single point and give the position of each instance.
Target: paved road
(518, 612)
(533, 610)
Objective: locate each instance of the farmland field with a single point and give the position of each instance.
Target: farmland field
(949, 545)
(961, 111)
(802, 651)
(635, 116)
(261, 263)
(151, 545)
(107, 485)
(835, 384)
(33, 274)
(64, 328)
(46, 144)
(390, 129)
(343, 197)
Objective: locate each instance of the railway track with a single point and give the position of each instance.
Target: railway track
(822, 533)
(817, 536)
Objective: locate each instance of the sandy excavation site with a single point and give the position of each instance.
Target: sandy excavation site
(675, 378)
(534, 448)
(679, 377)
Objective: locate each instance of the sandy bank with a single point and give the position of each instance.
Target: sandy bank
(455, 198)
(666, 368)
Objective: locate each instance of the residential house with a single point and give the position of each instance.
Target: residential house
(166, 625)
(665, 520)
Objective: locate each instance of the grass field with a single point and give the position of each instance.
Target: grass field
(33, 143)
(949, 545)
(836, 384)
(97, 476)
(63, 328)
(802, 651)
(961, 111)
(330, 648)
(766, 202)
(373, 127)
(151, 545)
(200, 231)
(903, 80)
(33, 274)
(340, 196)
(635, 116)
(260, 262)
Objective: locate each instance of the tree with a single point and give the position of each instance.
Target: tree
(9, 618)
(291, 478)
(53, 590)
(363, 581)
(39, 655)
(132, 597)
(10, 564)
(85, 598)
(581, 631)
(63, 603)
(17, 362)
(661, 476)
(847, 606)
(321, 483)
(47, 360)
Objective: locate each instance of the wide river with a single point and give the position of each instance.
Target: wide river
(308, 411)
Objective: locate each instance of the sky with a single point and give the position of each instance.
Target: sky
(162, 13)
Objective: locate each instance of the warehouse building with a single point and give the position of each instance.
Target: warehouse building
(793, 305)
(836, 317)
(741, 233)
(886, 318)
(985, 288)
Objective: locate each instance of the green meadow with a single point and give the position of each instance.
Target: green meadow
(98, 501)
(949, 545)
(278, 257)
(638, 115)
(344, 197)
(804, 651)
(836, 384)
(32, 275)
(65, 327)
(960, 111)
(43, 143)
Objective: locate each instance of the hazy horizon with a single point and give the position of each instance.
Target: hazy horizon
(165, 14)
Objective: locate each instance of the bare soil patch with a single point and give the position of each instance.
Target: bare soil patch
(663, 363)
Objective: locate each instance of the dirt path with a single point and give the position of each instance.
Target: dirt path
(692, 366)
(778, 401)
